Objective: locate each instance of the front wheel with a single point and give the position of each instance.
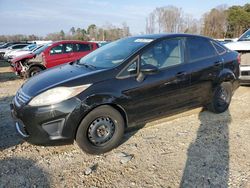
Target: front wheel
(221, 98)
(101, 130)
(33, 71)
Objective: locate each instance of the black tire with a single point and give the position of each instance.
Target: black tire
(33, 71)
(88, 130)
(221, 98)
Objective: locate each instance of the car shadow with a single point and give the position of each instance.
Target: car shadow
(8, 134)
(131, 131)
(207, 162)
(20, 172)
(8, 76)
(3, 63)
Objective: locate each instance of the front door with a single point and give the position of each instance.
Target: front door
(162, 92)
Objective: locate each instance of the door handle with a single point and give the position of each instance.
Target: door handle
(181, 76)
(218, 63)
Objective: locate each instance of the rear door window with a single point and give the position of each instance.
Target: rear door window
(68, 48)
(79, 47)
(199, 48)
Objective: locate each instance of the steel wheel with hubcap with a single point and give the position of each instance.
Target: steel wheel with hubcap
(101, 130)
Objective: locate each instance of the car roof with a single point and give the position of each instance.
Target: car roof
(164, 35)
(73, 41)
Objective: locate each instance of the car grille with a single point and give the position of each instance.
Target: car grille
(245, 73)
(21, 98)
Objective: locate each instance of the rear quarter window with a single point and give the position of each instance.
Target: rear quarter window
(199, 48)
(219, 48)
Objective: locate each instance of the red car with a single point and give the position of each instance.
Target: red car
(51, 55)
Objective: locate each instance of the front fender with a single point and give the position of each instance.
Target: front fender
(93, 101)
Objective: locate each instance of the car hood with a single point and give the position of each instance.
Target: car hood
(58, 76)
(239, 45)
(25, 56)
(20, 52)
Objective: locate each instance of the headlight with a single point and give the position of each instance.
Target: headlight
(56, 95)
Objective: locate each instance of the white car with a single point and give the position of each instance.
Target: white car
(10, 48)
(10, 53)
(28, 49)
(242, 45)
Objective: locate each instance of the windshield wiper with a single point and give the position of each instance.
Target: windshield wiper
(87, 65)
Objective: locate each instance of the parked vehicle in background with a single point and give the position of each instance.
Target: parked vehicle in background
(9, 53)
(15, 54)
(58, 53)
(8, 44)
(242, 45)
(124, 83)
(20, 64)
(12, 47)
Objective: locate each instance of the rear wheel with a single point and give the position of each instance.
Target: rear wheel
(101, 130)
(33, 71)
(221, 98)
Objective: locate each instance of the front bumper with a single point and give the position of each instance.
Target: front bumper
(244, 74)
(48, 125)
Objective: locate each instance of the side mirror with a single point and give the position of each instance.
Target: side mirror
(148, 69)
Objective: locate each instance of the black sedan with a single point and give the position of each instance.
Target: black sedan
(124, 83)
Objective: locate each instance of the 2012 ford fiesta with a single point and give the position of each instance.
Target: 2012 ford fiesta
(126, 82)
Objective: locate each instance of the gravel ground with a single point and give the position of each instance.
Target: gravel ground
(193, 149)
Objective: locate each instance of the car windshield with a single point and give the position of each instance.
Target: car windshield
(30, 47)
(41, 49)
(245, 36)
(114, 53)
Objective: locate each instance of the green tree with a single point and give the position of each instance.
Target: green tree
(238, 20)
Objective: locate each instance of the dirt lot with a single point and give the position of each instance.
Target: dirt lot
(194, 149)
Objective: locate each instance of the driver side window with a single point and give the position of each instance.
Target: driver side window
(164, 54)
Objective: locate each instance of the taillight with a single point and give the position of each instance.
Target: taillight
(239, 58)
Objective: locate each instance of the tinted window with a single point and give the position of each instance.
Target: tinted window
(68, 48)
(19, 46)
(56, 50)
(82, 47)
(164, 54)
(219, 48)
(199, 48)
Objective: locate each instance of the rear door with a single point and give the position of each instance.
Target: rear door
(205, 65)
(81, 49)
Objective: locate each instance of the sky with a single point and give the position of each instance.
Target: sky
(41, 17)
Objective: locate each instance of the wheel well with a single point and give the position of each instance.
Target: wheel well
(122, 112)
(37, 65)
